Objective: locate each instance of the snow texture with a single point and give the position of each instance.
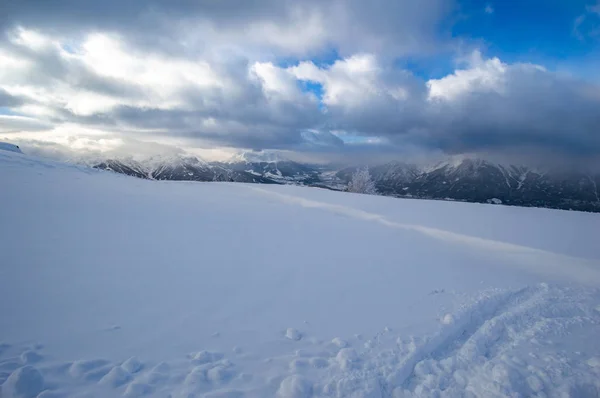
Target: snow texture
(113, 286)
(25, 382)
(293, 334)
(5, 146)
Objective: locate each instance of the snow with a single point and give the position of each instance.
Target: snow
(295, 386)
(24, 382)
(132, 365)
(293, 334)
(116, 377)
(339, 342)
(5, 146)
(114, 286)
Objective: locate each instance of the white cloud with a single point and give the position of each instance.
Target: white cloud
(489, 9)
(352, 82)
(103, 75)
(482, 76)
(107, 56)
(275, 82)
(107, 85)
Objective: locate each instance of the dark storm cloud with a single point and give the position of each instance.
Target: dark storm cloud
(488, 106)
(535, 108)
(123, 15)
(255, 132)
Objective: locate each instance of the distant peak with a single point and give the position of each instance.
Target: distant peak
(460, 161)
(174, 159)
(257, 157)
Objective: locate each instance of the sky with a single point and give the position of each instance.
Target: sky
(319, 78)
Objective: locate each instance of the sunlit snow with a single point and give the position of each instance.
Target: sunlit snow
(116, 286)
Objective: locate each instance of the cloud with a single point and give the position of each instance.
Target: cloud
(197, 74)
(362, 95)
(93, 149)
(323, 139)
(587, 25)
(284, 26)
(107, 84)
(488, 105)
(489, 9)
(14, 123)
(9, 101)
(482, 77)
(493, 105)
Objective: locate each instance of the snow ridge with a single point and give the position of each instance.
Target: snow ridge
(536, 260)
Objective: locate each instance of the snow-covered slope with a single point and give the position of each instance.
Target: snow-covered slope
(112, 286)
(5, 146)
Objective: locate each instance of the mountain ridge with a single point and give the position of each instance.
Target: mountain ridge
(463, 179)
(482, 181)
(459, 178)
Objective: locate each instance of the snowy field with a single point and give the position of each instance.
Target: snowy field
(114, 286)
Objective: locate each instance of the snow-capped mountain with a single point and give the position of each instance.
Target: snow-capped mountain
(478, 180)
(274, 166)
(179, 168)
(129, 167)
(457, 178)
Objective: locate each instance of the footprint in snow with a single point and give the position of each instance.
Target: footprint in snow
(23, 382)
(203, 357)
(295, 386)
(30, 357)
(132, 365)
(340, 343)
(293, 334)
(299, 365)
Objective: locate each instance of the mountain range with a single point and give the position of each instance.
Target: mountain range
(458, 178)
(461, 179)
(478, 180)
